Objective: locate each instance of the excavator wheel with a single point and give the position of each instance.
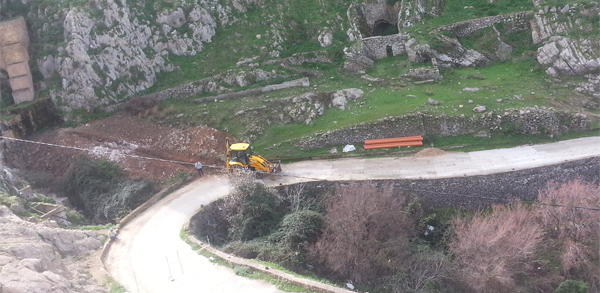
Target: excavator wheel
(236, 169)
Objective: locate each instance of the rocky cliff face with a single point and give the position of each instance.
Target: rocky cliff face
(575, 55)
(40, 257)
(113, 49)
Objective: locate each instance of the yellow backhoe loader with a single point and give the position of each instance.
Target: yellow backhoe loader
(240, 157)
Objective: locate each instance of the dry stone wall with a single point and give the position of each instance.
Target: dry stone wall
(213, 84)
(465, 28)
(377, 47)
(530, 121)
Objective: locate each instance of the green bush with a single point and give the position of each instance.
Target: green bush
(248, 249)
(252, 211)
(7, 200)
(573, 286)
(75, 217)
(299, 227)
(98, 187)
(243, 271)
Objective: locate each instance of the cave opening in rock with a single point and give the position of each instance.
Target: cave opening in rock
(384, 28)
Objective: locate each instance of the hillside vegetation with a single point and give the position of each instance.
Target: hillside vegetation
(382, 241)
(241, 45)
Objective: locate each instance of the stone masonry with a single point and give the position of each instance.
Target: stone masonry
(14, 58)
(465, 28)
(377, 47)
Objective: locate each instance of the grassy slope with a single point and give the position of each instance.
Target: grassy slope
(301, 21)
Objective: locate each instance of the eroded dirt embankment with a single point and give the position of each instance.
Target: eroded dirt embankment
(116, 136)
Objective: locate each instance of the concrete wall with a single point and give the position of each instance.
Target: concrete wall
(14, 58)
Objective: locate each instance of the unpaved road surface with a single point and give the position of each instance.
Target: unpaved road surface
(150, 256)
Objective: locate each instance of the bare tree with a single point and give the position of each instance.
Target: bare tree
(366, 233)
(493, 247)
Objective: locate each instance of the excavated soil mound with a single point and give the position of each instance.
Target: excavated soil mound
(112, 137)
(430, 152)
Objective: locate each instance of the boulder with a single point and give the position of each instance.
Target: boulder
(326, 38)
(341, 97)
(114, 55)
(432, 102)
(479, 109)
(357, 63)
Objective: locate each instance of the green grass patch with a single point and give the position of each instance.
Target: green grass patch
(468, 143)
(253, 274)
(96, 227)
(113, 286)
(518, 84)
(304, 276)
(184, 235)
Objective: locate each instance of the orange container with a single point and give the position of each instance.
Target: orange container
(392, 145)
(392, 140)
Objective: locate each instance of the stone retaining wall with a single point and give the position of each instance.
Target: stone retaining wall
(478, 192)
(530, 121)
(213, 85)
(41, 114)
(303, 82)
(465, 28)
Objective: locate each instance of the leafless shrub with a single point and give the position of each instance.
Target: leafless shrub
(493, 247)
(300, 198)
(575, 232)
(366, 233)
(423, 268)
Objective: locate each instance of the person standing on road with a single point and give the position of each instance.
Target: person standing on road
(113, 234)
(198, 166)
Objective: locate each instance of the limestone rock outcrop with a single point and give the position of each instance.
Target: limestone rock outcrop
(304, 108)
(38, 258)
(567, 57)
(414, 12)
(116, 50)
(550, 21)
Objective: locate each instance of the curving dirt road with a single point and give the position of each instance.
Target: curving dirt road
(149, 255)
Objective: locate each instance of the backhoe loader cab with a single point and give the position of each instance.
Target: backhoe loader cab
(240, 153)
(240, 157)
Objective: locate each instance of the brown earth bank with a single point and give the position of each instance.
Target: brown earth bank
(116, 136)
